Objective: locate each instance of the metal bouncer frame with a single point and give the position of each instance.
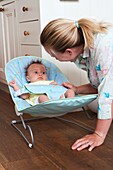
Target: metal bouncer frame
(28, 128)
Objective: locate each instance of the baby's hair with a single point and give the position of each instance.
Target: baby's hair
(32, 62)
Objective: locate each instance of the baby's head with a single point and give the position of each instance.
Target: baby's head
(35, 71)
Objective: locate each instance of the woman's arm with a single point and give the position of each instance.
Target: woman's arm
(83, 89)
(95, 139)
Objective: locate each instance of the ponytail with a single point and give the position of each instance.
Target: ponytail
(89, 28)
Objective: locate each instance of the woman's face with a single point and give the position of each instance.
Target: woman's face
(70, 54)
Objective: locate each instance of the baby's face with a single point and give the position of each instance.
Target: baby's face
(36, 72)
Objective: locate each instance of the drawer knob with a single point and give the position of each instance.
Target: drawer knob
(1, 9)
(26, 33)
(24, 9)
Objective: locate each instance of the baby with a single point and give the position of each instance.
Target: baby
(36, 72)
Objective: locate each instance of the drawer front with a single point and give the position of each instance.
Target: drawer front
(27, 10)
(30, 33)
(27, 50)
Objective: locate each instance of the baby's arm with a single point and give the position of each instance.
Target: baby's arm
(16, 88)
(54, 83)
(25, 96)
(14, 85)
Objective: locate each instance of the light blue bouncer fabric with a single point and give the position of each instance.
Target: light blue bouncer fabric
(15, 69)
(54, 92)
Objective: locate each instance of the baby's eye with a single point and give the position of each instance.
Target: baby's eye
(44, 72)
(36, 72)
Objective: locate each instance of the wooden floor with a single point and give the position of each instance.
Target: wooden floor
(53, 140)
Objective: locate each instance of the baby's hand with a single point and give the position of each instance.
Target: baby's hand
(12, 83)
(54, 83)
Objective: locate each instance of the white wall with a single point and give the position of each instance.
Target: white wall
(51, 9)
(102, 10)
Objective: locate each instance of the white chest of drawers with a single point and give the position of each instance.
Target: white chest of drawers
(19, 31)
(29, 27)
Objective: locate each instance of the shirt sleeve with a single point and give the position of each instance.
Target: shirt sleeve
(21, 91)
(104, 68)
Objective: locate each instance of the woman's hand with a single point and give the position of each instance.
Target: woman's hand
(70, 86)
(89, 141)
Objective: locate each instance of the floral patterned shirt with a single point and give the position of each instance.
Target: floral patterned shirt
(98, 62)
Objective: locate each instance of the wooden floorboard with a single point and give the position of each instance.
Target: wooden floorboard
(53, 140)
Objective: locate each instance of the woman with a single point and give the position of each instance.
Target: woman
(89, 44)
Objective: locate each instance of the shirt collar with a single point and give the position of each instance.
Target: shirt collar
(81, 60)
(86, 53)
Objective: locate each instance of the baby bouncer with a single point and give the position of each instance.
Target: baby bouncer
(15, 69)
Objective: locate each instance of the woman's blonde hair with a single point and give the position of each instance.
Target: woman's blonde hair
(61, 34)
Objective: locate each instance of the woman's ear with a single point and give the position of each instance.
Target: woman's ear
(69, 51)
